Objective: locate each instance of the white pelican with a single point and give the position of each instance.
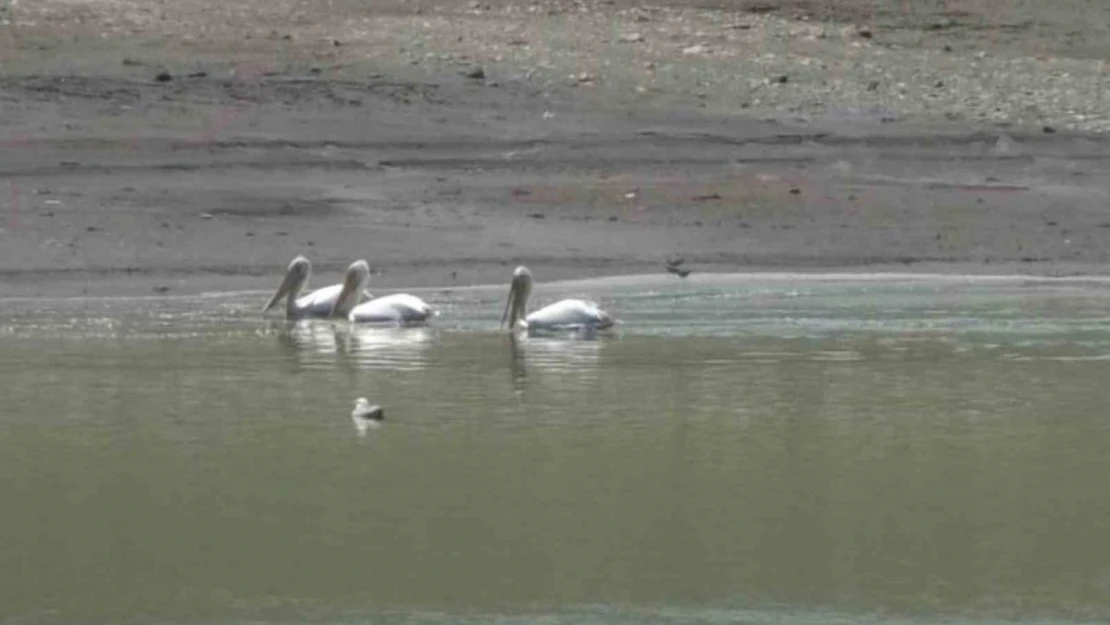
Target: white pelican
(366, 416)
(336, 300)
(567, 314)
(399, 308)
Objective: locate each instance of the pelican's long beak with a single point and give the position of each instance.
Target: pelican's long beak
(605, 320)
(354, 283)
(510, 306)
(287, 285)
(518, 300)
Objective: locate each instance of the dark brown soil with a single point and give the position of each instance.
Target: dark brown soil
(201, 147)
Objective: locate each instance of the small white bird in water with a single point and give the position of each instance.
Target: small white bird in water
(336, 300)
(366, 416)
(567, 314)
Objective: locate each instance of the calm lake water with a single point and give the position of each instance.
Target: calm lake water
(745, 449)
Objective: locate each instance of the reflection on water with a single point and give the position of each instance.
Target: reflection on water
(765, 451)
(314, 342)
(307, 337)
(393, 348)
(565, 355)
(364, 425)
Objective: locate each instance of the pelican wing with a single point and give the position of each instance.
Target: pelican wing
(399, 308)
(569, 313)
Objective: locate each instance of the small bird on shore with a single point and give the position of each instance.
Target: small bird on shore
(674, 265)
(366, 416)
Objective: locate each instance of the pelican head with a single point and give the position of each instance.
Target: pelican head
(605, 320)
(296, 275)
(354, 285)
(516, 305)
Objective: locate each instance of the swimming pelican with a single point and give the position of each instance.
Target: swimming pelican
(336, 300)
(567, 314)
(399, 308)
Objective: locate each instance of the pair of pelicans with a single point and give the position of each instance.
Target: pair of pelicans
(344, 301)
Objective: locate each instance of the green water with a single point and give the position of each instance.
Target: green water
(754, 449)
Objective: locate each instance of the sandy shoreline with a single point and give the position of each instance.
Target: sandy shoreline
(117, 183)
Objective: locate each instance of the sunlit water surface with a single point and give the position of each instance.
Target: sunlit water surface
(747, 449)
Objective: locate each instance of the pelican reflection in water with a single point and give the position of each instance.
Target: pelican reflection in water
(557, 355)
(356, 346)
(308, 342)
(568, 314)
(374, 347)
